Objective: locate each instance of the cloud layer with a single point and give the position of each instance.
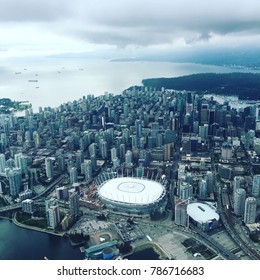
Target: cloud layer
(80, 24)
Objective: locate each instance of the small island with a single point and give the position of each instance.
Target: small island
(8, 106)
(244, 85)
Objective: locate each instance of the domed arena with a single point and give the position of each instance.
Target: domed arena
(203, 215)
(132, 195)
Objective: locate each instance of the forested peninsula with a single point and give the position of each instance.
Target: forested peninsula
(244, 85)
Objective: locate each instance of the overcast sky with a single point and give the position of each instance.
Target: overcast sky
(44, 27)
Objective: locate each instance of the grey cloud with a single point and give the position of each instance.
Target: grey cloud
(147, 23)
(31, 10)
(138, 23)
(198, 38)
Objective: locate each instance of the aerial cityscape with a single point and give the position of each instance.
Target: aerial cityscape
(171, 170)
(129, 130)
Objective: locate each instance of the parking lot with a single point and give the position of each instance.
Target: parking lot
(89, 226)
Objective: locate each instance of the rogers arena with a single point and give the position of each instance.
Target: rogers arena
(203, 215)
(132, 195)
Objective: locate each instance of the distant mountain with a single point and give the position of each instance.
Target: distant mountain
(242, 57)
(243, 85)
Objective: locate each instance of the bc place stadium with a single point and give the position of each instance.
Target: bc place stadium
(132, 195)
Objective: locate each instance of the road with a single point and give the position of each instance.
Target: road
(17, 206)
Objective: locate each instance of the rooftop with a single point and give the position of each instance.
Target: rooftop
(132, 190)
(202, 212)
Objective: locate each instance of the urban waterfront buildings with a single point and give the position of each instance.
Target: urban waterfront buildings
(145, 154)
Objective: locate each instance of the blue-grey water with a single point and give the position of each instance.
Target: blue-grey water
(22, 244)
(62, 80)
(146, 254)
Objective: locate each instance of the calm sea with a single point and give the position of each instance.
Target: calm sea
(52, 81)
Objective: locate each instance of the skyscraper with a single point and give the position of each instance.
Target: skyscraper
(15, 181)
(239, 201)
(53, 216)
(62, 193)
(204, 114)
(237, 183)
(226, 151)
(256, 186)
(49, 168)
(92, 149)
(250, 210)
(104, 149)
(87, 169)
(73, 175)
(113, 154)
(138, 128)
(37, 139)
(210, 178)
(79, 159)
(21, 161)
(61, 163)
(181, 217)
(2, 163)
(73, 203)
(203, 189)
(122, 152)
(185, 190)
(128, 158)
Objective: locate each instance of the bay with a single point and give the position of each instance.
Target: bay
(59, 80)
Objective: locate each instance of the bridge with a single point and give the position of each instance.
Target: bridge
(9, 208)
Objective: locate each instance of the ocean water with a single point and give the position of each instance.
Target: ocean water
(61, 80)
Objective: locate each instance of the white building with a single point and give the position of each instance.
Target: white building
(203, 215)
(128, 194)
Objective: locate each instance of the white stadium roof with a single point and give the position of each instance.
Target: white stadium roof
(201, 212)
(130, 190)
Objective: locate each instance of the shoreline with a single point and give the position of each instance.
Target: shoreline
(61, 234)
(162, 255)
